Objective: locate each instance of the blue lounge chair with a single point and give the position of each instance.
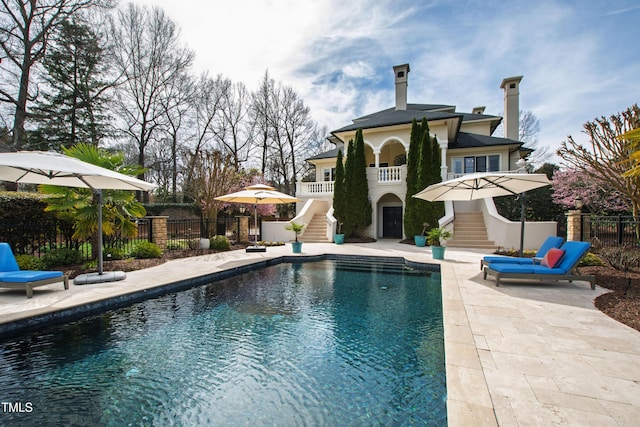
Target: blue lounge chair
(564, 270)
(12, 277)
(550, 242)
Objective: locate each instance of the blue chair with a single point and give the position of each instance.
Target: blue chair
(564, 270)
(12, 277)
(550, 242)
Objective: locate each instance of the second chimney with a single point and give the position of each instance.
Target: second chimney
(511, 107)
(401, 73)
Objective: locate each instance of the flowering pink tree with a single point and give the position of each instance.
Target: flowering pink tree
(599, 196)
(245, 179)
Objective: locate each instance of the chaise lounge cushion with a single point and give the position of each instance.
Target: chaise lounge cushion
(25, 276)
(526, 269)
(7, 260)
(573, 252)
(549, 243)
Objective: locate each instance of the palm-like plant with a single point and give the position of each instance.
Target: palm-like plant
(120, 207)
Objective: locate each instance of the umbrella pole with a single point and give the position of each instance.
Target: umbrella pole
(523, 217)
(255, 209)
(100, 265)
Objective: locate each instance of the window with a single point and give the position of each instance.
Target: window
(329, 174)
(471, 164)
(457, 165)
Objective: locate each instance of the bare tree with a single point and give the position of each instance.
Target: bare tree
(149, 55)
(176, 103)
(25, 29)
(607, 156)
(284, 132)
(260, 112)
(233, 129)
(528, 133)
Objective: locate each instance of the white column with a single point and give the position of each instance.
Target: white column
(377, 156)
(443, 162)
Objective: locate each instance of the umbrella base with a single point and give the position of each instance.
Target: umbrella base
(107, 276)
(256, 249)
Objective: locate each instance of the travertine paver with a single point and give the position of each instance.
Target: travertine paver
(517, 355)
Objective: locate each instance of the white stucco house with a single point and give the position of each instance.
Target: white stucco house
(467, 146)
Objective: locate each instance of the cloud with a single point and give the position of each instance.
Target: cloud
(575, 58)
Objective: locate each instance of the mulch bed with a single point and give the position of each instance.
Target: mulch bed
(623, 302)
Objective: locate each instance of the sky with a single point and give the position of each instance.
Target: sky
(579, 59)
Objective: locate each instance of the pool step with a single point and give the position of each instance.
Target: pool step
(386, 268)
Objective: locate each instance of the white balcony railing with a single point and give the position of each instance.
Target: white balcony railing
(321, 187)
(394, 174)
(390, 174)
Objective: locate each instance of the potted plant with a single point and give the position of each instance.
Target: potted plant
(434, 236)
(338, 238)
(421, 239)
(297, 229)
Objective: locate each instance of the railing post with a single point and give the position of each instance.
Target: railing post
(574, 224)
(619, 229)
(158, 231)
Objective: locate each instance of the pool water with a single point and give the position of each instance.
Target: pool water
(318, 343)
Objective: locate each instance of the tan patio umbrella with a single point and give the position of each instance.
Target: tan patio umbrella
(258, 194)
(48, 167)
(488, 184)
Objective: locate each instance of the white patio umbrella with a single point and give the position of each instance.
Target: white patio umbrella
(483, 185)
(258, 194)
(40, 167)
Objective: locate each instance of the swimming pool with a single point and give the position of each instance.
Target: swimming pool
(318, 343)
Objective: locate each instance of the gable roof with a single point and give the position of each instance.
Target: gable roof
(391, 116)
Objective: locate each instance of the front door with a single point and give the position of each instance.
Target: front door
(392, 222)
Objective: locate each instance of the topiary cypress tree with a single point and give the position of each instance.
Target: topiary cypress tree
(339, 193)
(411, 223)
(360, 195)
(424, 176)
(349, 220)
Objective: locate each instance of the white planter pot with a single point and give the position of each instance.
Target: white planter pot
(204, 243)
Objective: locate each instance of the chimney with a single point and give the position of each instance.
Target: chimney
(401, 73)
(511, 107)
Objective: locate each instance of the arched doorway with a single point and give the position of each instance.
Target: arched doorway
(390, 214)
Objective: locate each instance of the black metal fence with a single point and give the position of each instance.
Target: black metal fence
(611, 230)
(38, 238)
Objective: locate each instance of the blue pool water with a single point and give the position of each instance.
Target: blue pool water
(320, 343)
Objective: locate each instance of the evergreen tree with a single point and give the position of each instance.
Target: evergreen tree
(339, 193)
(360, 196)
(411, 223)
(436, 210)
(73, 109)
(424, 177)
(349, 220)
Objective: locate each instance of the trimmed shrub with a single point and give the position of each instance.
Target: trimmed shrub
(177, 245)
(145, 250)
(29, 262)
(62, 256)
(113, 254)
(591, 259)
(220, 243)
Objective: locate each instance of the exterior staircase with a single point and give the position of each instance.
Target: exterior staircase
(469, 231)
(316, 230)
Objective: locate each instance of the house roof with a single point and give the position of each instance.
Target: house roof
(391, 116)
(470, 140)
(331, 154)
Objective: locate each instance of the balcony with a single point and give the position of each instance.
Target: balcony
(376, 176)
